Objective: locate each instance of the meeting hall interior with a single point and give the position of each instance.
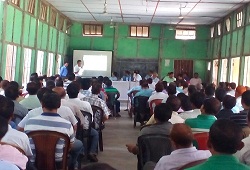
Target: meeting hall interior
(124, 84)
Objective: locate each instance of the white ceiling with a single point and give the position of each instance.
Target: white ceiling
(195, 12)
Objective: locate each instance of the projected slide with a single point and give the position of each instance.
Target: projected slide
(94, 63)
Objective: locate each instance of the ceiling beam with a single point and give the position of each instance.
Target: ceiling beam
(88, 10)
(154, 11)
(121, 10)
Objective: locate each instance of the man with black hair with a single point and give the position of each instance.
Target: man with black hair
(204, 121)
(9, 153)
(195, 80)
(20, 111)
(184, 153)
(158, 94)
(4, 85)
(169, 78)
(145, 90)
(220, 93)
(228, 103)
(224, 140)
(78, 70)
(209, 91)
(231, 89)
(196, 100)
(64, 70)
(191, 90)
(85, 85)
(171, 91)
(136, 76)
(163, 113)
(71, 78)
(50, 120)
(31, 102)
(50, 84)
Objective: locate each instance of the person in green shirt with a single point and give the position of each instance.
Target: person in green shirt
(204, 121)
(224, 140)
(169, 78)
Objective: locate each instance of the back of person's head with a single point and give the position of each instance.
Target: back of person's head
(209, 90)
(159, 87)
(71, 76)
(232, 85)
(50, 84)
(14, 84)
(51, 101)
(220, 93)
(229, 102)
(98, 166)
(59, 83)
(186, 104)
(42, 91)
(144, 84)
(225, 137)
(32, 88)
(191, 90)
(73, 90)
(1, 79)
(11, 92)
(165, 85)
(3, 127)
(174, 102)
(240, 90)
(182, 136)
(211, 106)
(96, 88)
(108, 83)
(222, 85)
(60, 91)
(5, 84)
(246, 98)
(6, 107)
(184, 84)
(150, 80)
(85, 83)
(163, 112)
(172, 89)
(100, 79)
(115, 74)
(105, 79)
(197, 99)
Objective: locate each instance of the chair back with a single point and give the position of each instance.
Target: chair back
(152, 148)
(141, 109)
(200, 140)
(79, 130)
(192, 164)
(154, 103)
(98, 117)
(45, 144)
(88, 116)
(111, 98)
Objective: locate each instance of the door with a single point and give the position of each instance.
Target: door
(183, 66)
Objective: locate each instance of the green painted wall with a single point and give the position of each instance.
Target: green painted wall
(160, 45)
(25, 30)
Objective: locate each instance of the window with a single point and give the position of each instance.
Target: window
(246, 81)
(43, 12)
(239, 19)
(215, 71)
(39, 63)
(50, 64)
(92, 29)
(16, 2)
(10, 63)
(61, 23)
(219, 29)
(185, 34)
(139, 31)
(68, 25)
(31, 6)
(228, 24)
(26, 66)
(212, 32)
(235, 70)
(223, 76)
(58, 63)
(53, 18)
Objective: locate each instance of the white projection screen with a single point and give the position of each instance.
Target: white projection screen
(95, 63)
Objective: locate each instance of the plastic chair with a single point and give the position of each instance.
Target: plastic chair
(191, 164)
(45, 144)
(111, 102)
(152, 148)
(141, 109)
(98, 123)
(154, 103)
(86, 132)
(201, 140)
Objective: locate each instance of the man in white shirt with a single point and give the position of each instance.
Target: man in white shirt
(184, 152)
(137, 77)
(195, 80)
(31, 102)
(78, 70)
(158, 94)
(13, 137)
(196, 100)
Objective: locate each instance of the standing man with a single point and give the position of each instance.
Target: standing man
(78, 69)
(64, 70)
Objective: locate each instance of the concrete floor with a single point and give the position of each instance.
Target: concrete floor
(117, 133)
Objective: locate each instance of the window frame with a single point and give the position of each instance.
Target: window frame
(53, 17)
(50, 64)
(212, 32)
(58, 63)
(40, 68)
(92, 25)
(185, 37)
(15, 2)
(43, 11)
(61, 22)
(228, 28)
(31, 7)
(10, 65)
(26, 65)
(142, 28)
(239, 19)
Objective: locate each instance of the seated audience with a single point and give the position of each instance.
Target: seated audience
(162, 126)
(137, 77)
(149, 75)
(204, 121)
(13, 137)
(195, 80)
(4, 85)
(158, 94)
(220, 93)
(145, 90)
(224, 140)
(85, 85)
(169, 78)
(186, 105)
(238, 93)
(228, 103)
(231, 89)
(155, 78)
(151, 84)
(127, 76)
(71, 78)
(50, 84)
(9, 153)
(114, 76)
(50, 120)
(20, 111)
(191, 90)
(196, 100)
(184, 152)
(31, 102)
(209, 91)
(171, 91)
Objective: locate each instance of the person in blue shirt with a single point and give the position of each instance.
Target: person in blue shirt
(64, 70)
(145, 90)
(127, 76)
